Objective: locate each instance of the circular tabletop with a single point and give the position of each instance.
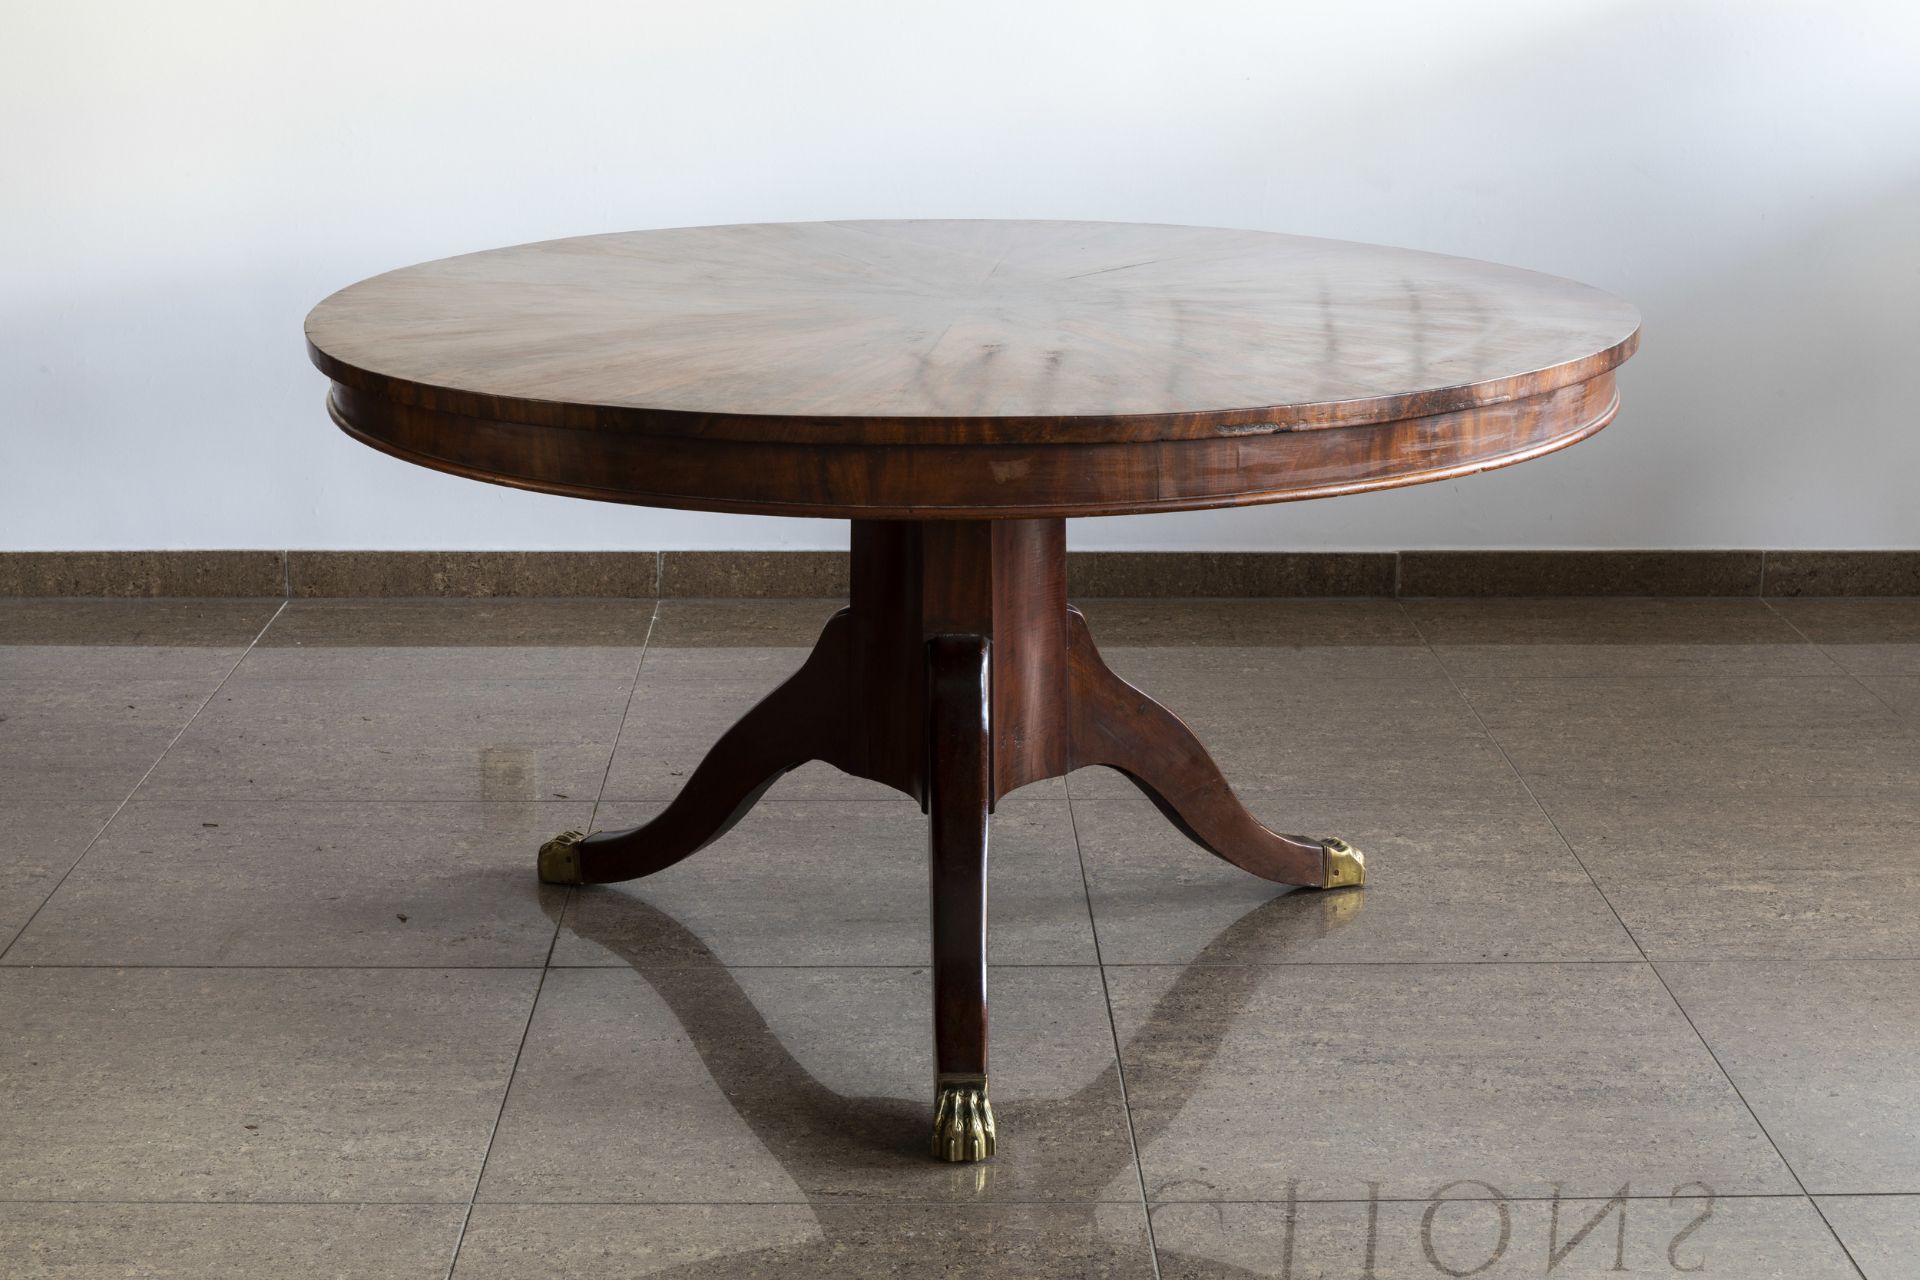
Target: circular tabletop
(966, 368)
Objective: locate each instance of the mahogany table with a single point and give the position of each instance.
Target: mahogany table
(956, 390)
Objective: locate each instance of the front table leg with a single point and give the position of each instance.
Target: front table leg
(958, 796)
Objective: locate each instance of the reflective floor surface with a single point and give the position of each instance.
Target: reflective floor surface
(1634, 989)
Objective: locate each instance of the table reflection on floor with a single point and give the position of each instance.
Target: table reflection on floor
(833, 1145)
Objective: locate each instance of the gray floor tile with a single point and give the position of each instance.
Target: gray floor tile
(442, 624)
(1735, 792)
(86, 722)
(1285, 672)
(208, 882)
(1742, 1239)
(806, 1242)
(1442, 886)
(1620, 737)
(1271, 725)
(226, 1241)
(220, 624)
(1756, 876)
(1244, 1080)
(1651, 709)
(742, 624)
(1614, 637)
(1873, 760)
(833, 882)
(1828, 1057)
(1902, 693)
(788, 1085)
(1867, 637)
(686, 698)
(332, 723)
(1881, 1232)
(253, 1084)
(39, 841)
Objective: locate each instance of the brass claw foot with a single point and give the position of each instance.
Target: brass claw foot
(1346, 865)
(963, 1121)
(560, 858)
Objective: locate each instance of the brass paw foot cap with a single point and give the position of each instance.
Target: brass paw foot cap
(1346, 865)
(963, 1123)
(560, 858)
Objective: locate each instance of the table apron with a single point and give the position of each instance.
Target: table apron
(977, 481)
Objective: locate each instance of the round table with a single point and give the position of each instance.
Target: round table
(957, 389)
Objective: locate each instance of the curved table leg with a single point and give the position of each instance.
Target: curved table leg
(801, 720)
(958, 795)
(1116, 725)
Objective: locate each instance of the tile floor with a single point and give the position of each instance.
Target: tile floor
(1636, 988)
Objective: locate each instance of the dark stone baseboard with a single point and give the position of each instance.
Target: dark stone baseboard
(622, 574)
(143, 573)
(642, 574)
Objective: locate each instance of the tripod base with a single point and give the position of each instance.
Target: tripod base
(957, 673)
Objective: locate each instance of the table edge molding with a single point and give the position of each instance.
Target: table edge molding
(978, 481)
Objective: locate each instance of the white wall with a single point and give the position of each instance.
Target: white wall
(180, 181)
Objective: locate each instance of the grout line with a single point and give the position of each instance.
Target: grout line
(1837, 666)
(83, 851)
(646, 644)
(460, 1238)
(1654, 968)
(1119, 1067)
(1758, 1122)
(553, 943)
(1525, 785)
(204, 703)
(1827, 1222)
(1303, 965)
(1718, 1197)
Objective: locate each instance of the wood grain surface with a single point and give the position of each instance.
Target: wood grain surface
(955, 368)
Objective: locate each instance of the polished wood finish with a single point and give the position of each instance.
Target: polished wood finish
(802, 720)
(954, 369)
(1116, 725)
(959, 738)
(861, 702)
